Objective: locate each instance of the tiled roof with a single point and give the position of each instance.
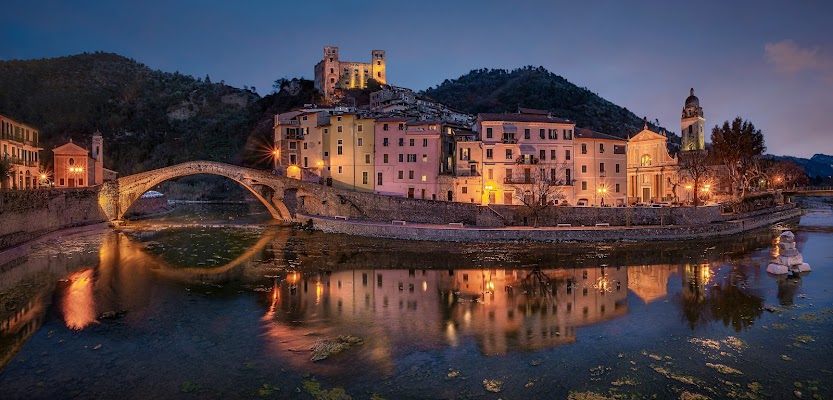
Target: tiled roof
(534, 111)
(583, 133)
(521, 118)
(392, 119)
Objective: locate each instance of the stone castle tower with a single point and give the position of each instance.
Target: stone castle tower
(331, 73)
(693, 124)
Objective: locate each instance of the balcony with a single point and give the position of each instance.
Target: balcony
(509, 140)
(20, 161)
(521, 180)
(295, 136)
(289, 122)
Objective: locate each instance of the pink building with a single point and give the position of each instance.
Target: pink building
(408, 159)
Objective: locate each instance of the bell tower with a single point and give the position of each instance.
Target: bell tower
(379, 67)
(693, 125)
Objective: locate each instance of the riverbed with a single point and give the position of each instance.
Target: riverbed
(211, 302)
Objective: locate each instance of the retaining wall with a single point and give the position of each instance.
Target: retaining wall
(574, 234)
(26, 214)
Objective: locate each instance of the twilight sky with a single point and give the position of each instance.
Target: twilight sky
(767, 61)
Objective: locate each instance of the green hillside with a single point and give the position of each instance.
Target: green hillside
(498, 90)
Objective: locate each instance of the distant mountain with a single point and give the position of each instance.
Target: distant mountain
(149, 118)
(819, 167)
(498, 90)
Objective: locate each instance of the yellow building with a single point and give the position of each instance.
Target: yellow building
(331, 73)
(348, 145)
(19, 144)
(652, 172)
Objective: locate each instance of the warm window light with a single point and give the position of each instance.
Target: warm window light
(687, 187)
(489, 187)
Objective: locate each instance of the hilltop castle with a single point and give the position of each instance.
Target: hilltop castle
(332, 73)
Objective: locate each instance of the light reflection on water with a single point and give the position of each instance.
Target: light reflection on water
(421, 309)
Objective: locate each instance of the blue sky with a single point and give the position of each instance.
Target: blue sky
(767, 61)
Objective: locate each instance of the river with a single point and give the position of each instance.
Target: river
(232, 307)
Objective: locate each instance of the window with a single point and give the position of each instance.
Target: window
(602, 167)
(359, 142)
(306, 162)
(293, 145)
(645, 160)
(552, 155)
(340, 150)
(488, 133)
(464, 190)
(424, 178)
(340, 169)
(490, 173)
(359, 128)
(385, 142)
(509, 174)
(617, 188)
(401, 127)
(583, 185)
(508, 154)
(424, 142)
(364, 178)
(542, 154)
(583, 148)
(542, 133)
(411, 142)
(379, 178)
(526, 133)
(338, 128)
(412, 157)
(326, 130)
(583, 169)
(553, 176)
(367, 158)
(689, 129)
(340, 141)
(305, 145)
(601, 147)
(568, 177)
(401, 174)
(385, 127)
(385, 158)
(425, 158)
(326, 154)
(489, 154)
(401, 141)
(617, 168)
(401, 158)
(410, 174)
(567, 155)
(464, 154)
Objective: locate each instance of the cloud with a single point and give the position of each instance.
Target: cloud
(791, 59)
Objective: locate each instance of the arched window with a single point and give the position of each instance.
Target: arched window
(646, 160)
(71, 161)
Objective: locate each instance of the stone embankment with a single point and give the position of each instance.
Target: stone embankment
(456, 233)
(27, 214)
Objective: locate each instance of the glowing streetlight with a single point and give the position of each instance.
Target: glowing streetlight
(275, 155)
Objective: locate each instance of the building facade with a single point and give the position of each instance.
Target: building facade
(331, 73)
(76, 166)
(652, 171)
(601, 169)
(408, 160)
(19, 144)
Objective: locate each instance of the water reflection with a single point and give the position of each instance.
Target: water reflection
(503, 298)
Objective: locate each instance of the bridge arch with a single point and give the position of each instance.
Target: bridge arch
(128, 189)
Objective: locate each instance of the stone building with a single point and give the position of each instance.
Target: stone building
(75, 167)
(652, 171)
(601, 169)
(331, 73)
(19, 144)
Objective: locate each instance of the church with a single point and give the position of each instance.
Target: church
(652, 172)
(75, 167)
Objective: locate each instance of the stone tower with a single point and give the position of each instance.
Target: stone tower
(97, 171)
(693, 124)
(327, 72)
(378, 68)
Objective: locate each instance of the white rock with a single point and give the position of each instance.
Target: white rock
(790, 260)
(786, 245)
(787, 236)
(804, 267)
(777, 269)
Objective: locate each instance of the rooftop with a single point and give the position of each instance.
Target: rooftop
(583, 133)
(521, 118)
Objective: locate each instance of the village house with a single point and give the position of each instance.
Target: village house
(19, 144)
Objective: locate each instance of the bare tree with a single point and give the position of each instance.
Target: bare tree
(694, 166)
(786, 174)
(537, 185)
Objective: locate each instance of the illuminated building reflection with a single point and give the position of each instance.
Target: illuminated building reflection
(78, 302)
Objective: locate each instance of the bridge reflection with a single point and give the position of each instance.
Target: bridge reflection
(396, 295)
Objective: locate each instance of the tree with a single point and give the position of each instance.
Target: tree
(6, 171)
(537, 185)
(737, 147)
(694, 167)
(786, 174)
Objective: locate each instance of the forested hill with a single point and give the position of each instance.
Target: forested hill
(498, 90)
(149, 118)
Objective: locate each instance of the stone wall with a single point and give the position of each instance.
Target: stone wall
(26, 214)
(615, 216)
(574, 234)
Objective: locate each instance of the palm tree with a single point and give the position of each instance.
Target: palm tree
(6, 171)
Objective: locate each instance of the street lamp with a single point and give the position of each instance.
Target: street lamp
(275, 155)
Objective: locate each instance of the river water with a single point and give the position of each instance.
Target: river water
(229, 310)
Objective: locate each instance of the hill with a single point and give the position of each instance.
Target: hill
(819, 167)
(498, 90)
(149, 118)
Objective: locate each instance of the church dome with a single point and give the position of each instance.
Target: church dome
(692, 100)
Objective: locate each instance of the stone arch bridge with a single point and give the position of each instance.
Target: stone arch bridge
(282, 196)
